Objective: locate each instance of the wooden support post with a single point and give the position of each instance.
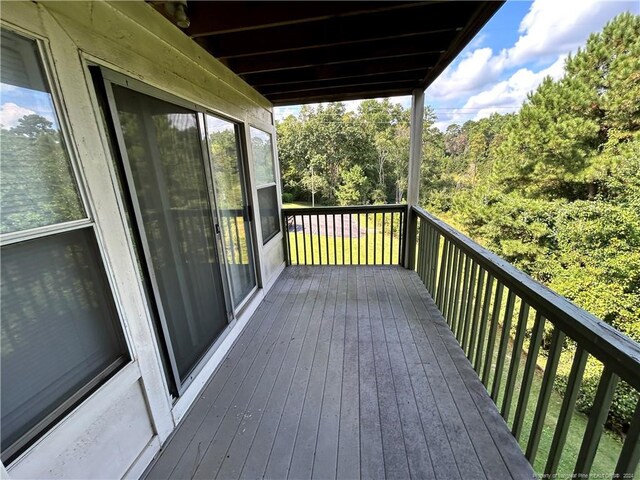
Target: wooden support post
(413, 181)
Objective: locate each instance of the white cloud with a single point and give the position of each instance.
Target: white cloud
(478, 68)
(552, 27)
(484, 81)
(503, 97)
(10, 113)
(281, 113)
(513, 91)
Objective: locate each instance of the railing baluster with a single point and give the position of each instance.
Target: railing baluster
(350, 240)
(443, 268)
(467, 316)
(367, 239)
(595, 425)
(446, 289)
(424, 252)
(335, 246)
(384, 219)
(326, 238)
(419, 251)
(404, 218)
(311, 240)
(475, 319)
(358, 227)
(304, 239)
(319, 239)
(295, 233)
(456, 288)
(630, 454)
(391, 242)
(557, 340)
(464, 294)
(235, 223)
(527, 375)
(566, 411)
(428, 258)
(288, 239)
(504, 343)
(491, 340)
(515, 359)
(342, 227)
(434, 262)
(451, 285)
(375, 237)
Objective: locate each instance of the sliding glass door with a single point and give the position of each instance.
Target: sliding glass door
(223, 140)
(170, 193)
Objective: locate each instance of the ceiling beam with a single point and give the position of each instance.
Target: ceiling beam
(208, 18)
(341, 30)
(338, 95)
(353, 69)
(433, 43)
(387, 80)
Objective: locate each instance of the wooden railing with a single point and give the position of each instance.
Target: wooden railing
(357, 235)
(484, 299)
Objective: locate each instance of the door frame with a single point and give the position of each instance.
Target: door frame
(244, 178)
(109, 77)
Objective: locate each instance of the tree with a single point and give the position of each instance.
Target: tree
(36, 185)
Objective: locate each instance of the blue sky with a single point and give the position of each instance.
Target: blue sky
(524, 42)
(16, 102)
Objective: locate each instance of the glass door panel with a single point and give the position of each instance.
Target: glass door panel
(166, 175)
(231, 199)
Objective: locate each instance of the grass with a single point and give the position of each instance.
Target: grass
(343, 251)
(297, 205)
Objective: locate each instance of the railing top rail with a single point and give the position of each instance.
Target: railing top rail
(603, 341)
(347, 209)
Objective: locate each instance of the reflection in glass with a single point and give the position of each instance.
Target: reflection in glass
(232, 205)
(59, 326)
(165, 156)
(262, 157)
(36, 181)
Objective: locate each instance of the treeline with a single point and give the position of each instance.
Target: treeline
(345, 158)
(554, 189)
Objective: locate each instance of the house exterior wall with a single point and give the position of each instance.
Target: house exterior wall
(121, 426)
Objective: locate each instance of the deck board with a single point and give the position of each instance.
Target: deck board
(344, 372)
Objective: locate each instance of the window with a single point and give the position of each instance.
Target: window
(231, 197)
(60, 334)
(265, 183)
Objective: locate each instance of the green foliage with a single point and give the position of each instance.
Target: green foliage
(346, 158)
(287, 197)
(36, 186)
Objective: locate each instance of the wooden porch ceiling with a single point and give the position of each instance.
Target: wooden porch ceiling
(305, 52)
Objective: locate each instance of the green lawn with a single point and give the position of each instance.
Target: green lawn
(297, 205)
(321, 250)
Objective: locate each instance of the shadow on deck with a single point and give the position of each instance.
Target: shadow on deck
(347, 372)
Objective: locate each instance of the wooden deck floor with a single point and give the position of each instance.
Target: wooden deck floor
(344, 372)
